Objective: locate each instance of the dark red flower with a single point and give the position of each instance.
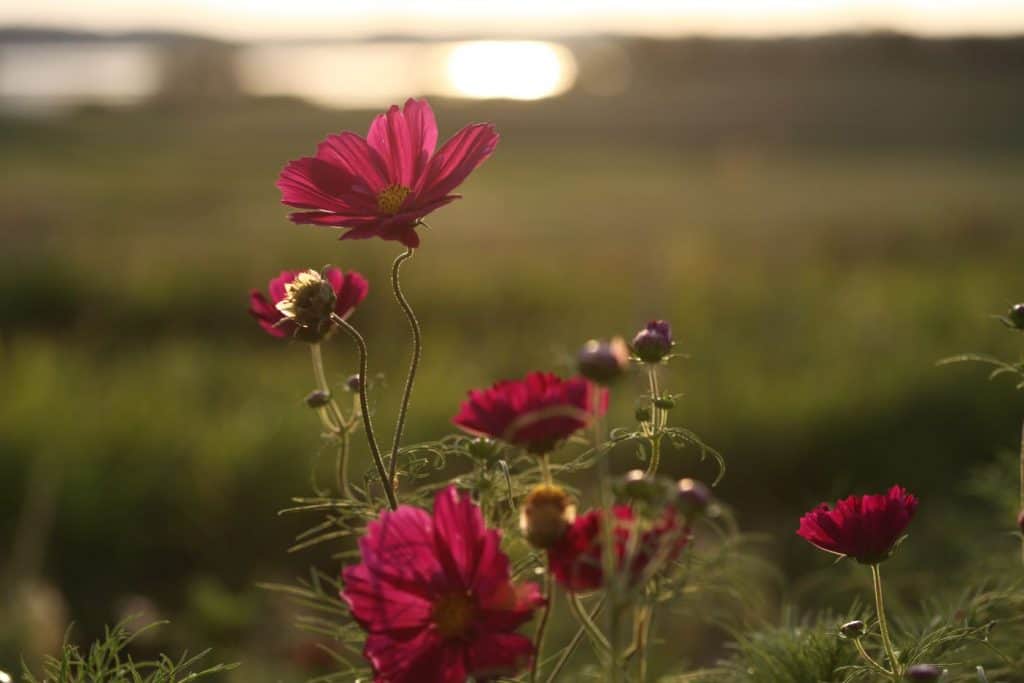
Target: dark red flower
(435, 596)
(349, 288)
(383, 184)
(535, 412)
(576, 561)
(865, 528)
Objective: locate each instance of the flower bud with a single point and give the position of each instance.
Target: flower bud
(318, 398)
(546, 515)
(654, 342)
(643, 414)
(665, 403)
(483, 449)
(1020, 521)
(353, 383)
(309, 301)
(636, 485)
(923, 672)
(853, 630)
(603, 361)
(692, 497)
(1016, 316)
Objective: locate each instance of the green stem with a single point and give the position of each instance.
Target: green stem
(588, 624)
(321, 383)
(1021, 509)
(652, 466)
(573, 644)
(656, 412)
(417, 351)
(545, 469)
(542, 626)
(386, 483)
(341, 471)
(883, 626)
(871, 660)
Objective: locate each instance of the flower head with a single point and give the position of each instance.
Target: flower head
(576, 561)
(535, 412)
(305, 295)
(546, 515)
(603, 361)
(865, 528)
(434, 594)
(654, 342)
(383, 184)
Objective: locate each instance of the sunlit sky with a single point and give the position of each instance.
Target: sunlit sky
(255, 19)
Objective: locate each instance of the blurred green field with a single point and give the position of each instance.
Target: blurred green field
(813, 286)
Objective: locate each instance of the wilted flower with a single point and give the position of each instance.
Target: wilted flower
(654, 342)
(347, 289)
(603, 361)
(923, 672)
(865, 528)
(435, 597)
(383, 184)
(546, 515)
(535, 412)
(576, 560)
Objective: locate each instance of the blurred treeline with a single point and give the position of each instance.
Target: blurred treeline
(820, 219)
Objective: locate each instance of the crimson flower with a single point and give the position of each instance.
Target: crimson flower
(576, 560)
(349, 288)
(435, 597)
(535, 412)
(384, 184)
(865, 528)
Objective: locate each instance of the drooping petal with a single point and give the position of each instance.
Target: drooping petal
(350, 289)
(498, 654)
(267, 315)
(456, 159)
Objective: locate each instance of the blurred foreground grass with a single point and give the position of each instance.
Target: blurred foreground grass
(813, 286)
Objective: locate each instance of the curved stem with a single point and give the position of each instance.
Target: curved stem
(883, 627)
(417, 351)
(386, 483)
(871, 660)
(573, 644)
(542, 626)
(588, 624)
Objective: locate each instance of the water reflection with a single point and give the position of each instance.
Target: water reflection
(350, 75)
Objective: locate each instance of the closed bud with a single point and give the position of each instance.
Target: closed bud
(546, 515)
(654, 342)
(853, 630)
(603, 361)
(354, 383)
(665, 403)
(483, 449)
(318, 398)
(643, 414)
(923, 672)
(1020, 521)
(692, 497)
(1016, 316)
(636, 485)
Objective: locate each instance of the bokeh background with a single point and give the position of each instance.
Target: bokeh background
(823, 198)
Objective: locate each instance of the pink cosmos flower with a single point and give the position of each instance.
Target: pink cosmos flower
(383, 184)
(865, 528)
(576, 560)
(435, 596)
(535, 412)
(349, 288)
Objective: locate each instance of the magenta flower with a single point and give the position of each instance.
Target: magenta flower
(349, 288)
(435, 596)
(865, 528)
(576, 560)
(535, 412)
(384, 184)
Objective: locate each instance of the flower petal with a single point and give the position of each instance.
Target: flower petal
(498, 654)
(353, 155)
(422, 658)
(466, 150)
(404, 140)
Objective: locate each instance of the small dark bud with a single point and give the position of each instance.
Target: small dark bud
(483, 449)
(643, 414)
(1020, 521)
(853, 630)
(353, 383)
(692, 497)
(546, 515)
(1016, 316)
(318, 398)
(923, 672)
(635, 485)
(603, 361)
(654, 342)
(665, 403)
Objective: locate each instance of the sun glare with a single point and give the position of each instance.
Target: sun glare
(517, 70)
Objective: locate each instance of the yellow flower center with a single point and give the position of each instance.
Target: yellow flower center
(453, 614)
(390, 199)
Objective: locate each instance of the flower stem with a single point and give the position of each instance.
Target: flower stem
(1021, 510)
(657, 420)
(321, 383)
(573, 644)
(542, 626)
(870, 660)
(386, 483)
(545, 469)
(417, 351)
(588, 624)
(341, 466)
(883, 627)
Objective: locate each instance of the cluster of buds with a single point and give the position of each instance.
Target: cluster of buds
(689, 497)
(546, 516)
